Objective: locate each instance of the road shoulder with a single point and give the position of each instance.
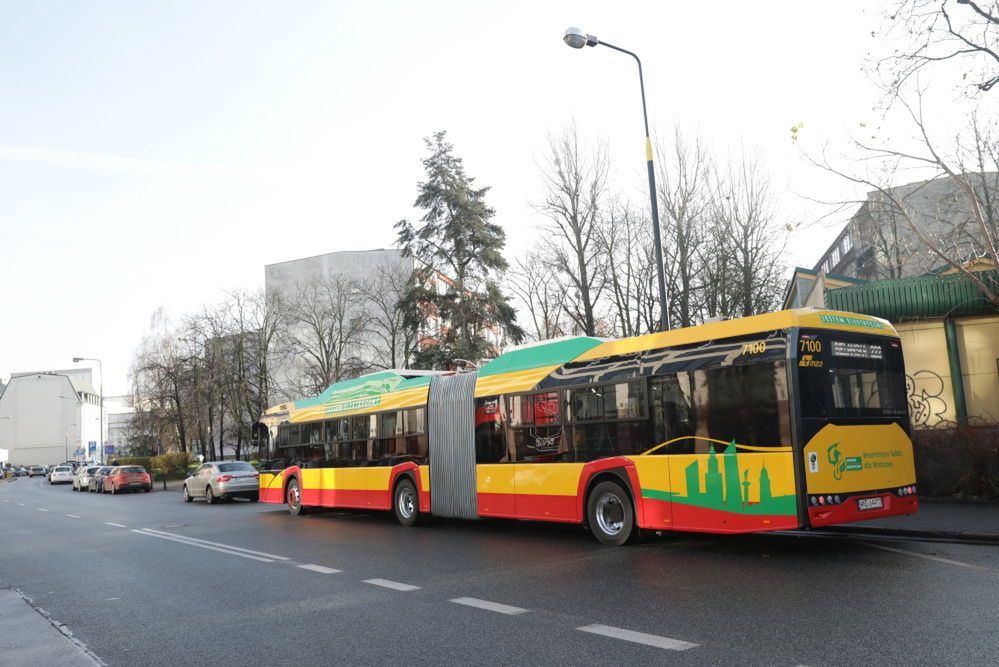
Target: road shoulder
(29, 637)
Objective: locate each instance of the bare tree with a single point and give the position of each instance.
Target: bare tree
(575, 179)
(626, 241)
(535, 284)
(931, 32)
(952, 230)
(325, 328)
(747, 237)
(685, 192)
(391, 339)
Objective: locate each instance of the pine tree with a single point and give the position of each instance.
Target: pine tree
(457, 238)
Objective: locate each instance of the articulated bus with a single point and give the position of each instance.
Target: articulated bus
(795, 419)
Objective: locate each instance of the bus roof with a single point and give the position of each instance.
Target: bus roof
(522, 368)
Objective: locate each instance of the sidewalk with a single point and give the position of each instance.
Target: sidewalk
(28, 637)
(953, 520)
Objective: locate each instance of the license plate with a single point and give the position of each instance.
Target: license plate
(865, 504)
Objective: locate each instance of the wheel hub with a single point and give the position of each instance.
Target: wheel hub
(610, 514)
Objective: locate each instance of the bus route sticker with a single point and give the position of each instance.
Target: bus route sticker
(813, 462)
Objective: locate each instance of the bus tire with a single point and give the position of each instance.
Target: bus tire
(406, 503)
(293, 496)
(610, 514)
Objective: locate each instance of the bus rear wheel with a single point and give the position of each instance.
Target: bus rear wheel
(407, 504)
(294, 498)
(610, 514)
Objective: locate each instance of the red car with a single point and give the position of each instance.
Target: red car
(127, 478)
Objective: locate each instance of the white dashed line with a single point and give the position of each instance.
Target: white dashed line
(319, 568)
(41, 509)
(638, 637)
(489, 606)
(202, 546)
(216, 544)
(394, 585)
(936, 559)
(116, 525)
(20, 504)
(72, 516)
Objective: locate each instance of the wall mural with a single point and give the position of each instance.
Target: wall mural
(925, 389)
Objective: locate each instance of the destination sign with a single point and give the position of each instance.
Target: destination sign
(856, 350)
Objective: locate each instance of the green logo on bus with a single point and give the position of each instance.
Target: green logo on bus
(852, 321)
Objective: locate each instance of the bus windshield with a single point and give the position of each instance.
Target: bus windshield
(844, 375)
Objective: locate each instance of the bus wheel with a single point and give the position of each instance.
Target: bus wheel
(294, 496)
(407, 504)
(610, 514)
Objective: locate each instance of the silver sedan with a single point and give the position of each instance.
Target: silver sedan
(220, 480)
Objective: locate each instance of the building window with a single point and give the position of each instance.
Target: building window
(847, 243)
(834, 257)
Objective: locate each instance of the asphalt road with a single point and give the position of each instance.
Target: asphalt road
(245, 583)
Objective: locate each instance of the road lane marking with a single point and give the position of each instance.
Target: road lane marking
(638, 637)
(319, 568)
(41, 509)
(202, 546)
(116, 525)
(937, 559)
(489, 606)
(20, 504)
(394, 585)
(216, 544)
(72, 516)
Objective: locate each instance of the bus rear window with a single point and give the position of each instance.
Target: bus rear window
(850, 375)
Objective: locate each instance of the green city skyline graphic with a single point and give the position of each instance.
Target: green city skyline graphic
(726, 490)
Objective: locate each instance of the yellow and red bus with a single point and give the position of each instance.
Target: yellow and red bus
(788, 420)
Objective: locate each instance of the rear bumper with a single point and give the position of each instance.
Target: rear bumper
(252, 492)
(848, 511)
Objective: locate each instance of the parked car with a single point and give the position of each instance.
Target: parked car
(81, 480)
(97, 479)
(36, 471)
(221, 480)
(127, 478)
(61, 475)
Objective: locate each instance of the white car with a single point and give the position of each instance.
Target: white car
(61, 475)
(81, 481)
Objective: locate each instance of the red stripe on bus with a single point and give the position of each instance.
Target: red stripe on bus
(845, 512)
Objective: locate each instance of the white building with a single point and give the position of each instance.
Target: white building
(51, 416)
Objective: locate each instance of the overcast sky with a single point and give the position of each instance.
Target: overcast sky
(159, 153)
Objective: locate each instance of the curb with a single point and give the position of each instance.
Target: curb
(961, 535)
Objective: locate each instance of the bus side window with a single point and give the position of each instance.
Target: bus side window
(490, 439)
(674, 417)
(746, 403)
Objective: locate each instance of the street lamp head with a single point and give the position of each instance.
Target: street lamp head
(577, 39)
(77, 360)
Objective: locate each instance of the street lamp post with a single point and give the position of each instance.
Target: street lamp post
(100, 437)
(577, 39)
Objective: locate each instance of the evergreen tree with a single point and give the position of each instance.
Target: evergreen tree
(457, 238)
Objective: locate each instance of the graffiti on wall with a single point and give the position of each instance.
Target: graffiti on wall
(925, 389)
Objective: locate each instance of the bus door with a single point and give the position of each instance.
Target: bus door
(858, 461)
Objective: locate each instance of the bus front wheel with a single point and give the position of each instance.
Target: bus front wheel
(610, 515)
(407, 503)
(294, 496)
